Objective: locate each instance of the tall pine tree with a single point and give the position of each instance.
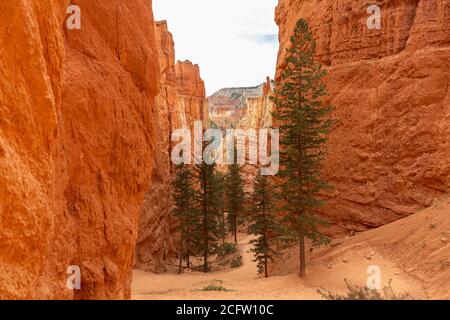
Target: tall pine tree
(184, 197)
(303, 133)
(235, 195)
(209, 204)
(263, 224)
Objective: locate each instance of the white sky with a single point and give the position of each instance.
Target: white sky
(235, 42)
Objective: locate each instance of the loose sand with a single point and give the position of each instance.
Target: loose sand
(412, 252)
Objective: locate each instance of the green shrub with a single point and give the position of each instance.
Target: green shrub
(356, 292)
(237, 262)
(216, 285)
(226, 249)
(224, 263)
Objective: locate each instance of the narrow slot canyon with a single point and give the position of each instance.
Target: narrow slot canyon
(88, 181)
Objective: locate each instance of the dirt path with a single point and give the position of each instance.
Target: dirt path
(244, 283)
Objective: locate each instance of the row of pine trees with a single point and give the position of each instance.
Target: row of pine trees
(281, 208)
(202, 195)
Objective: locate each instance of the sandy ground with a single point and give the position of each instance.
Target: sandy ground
(326, 270)
(413, 253)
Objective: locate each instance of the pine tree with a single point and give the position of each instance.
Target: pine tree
(263, 224)
(235, 195)
(185, 211)
(303, 132)
(210, 210)
(221, 205)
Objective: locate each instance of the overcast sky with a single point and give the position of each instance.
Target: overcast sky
(235, 42)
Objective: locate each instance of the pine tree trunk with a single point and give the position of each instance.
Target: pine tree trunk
(266, 273)
(301, 242)
(235, 228)
(205, 251)
(188, 250)
(205, 242)
(205, 262)
(224, 228)
(180, 267)
(205, 228)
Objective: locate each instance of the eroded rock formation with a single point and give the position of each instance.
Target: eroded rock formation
(258, 109)
(389, 155)
(181, 101)
(230, 106)
(83, 134)
(191, 93)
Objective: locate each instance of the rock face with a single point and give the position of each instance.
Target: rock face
(251, 110)
(258, 115)
(389, 155)
(229, 106)
(258, 109)
(77, 142)
(191, 93)
(181, 101)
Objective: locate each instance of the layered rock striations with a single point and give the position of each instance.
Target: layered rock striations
(181, 101)
(191, 93)
(228, 106)
(389, 154)
(258, 113)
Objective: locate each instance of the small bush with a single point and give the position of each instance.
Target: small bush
(356, 292)
(224, 263)
(237, 262)
(226, 249)
(216, 285)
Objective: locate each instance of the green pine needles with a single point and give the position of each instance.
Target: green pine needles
(286, 213)
(263, 224)
(303, 134)
(234, 195)
(210, 211)
(186, 212)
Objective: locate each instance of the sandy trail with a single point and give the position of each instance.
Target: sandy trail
(245, 284)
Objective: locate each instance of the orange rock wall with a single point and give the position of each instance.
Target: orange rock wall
(77, 139)
(191, 92)
(389, 155)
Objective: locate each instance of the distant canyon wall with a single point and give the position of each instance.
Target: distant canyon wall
(389, 154)
(257, 115)
(181, 101)
(258, 112)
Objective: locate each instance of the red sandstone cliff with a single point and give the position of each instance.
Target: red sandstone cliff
(191, 92)
(389, 156)
(180, 102)
(258, 113)
(77, 139)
